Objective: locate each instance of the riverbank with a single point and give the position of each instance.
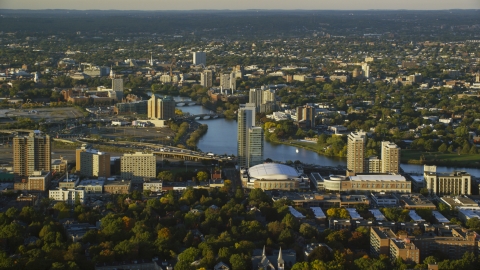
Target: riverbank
(440, 159)
(310, 146)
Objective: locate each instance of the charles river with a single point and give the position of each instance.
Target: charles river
(221, 138)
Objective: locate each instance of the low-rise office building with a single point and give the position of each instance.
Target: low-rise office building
(379, 183)
(153, 185)
(117, 186)
(321, 200)
(59, 165)
(466, 214)
(92, 186)
(38, 181)
(365, 183)
(385, 200)
(457, 182)
(69, 182)
(69, 196)
(460, 202)
(414, 201)
(453, 247)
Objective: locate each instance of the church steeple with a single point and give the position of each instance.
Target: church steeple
(112, 75)
(280, 261)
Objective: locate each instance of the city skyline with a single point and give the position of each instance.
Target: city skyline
(244, 5)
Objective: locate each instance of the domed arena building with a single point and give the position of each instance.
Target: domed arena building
(274, 176)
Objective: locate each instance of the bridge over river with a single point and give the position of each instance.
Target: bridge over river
(204, 116)
(186, 103)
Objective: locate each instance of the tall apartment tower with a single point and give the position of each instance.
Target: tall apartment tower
(264, 100)
(117, 87)
(477, 77)
(31, 153)
(78, 164)
(228, 81)
(356, 152)
(255, 96)
(94, 163)
(206, 78)
(255, 146)
(200, 58)
(390, 157)
(161, 107)
(137, 166)
(306, 113)
(250, 138)
(366, 70)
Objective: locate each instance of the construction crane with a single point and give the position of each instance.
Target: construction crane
(171, 66)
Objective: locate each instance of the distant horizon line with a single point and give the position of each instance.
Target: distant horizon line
(400, 9)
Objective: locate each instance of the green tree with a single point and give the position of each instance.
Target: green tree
(473, 223)
(165, 176)
(189, 255)
(238, 262)
(321, 253)
(202, 176)
(443, 148)
(424, 191)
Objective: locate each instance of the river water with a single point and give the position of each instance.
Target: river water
(221, 138)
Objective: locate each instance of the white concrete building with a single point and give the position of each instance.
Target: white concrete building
(68, 196)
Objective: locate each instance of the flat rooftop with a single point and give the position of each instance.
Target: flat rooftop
(377, 214)
(384, 234)
(317, 177)
(415, 217)
(91, 182)
(459, 201)
(415, 200)
(439, 217)
(375, 177)
(470, 213)
(318, 212)
(417, 178)
(353, 213)
(295, 213)
(384, 196)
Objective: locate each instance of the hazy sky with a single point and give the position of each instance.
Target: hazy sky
(239, 4)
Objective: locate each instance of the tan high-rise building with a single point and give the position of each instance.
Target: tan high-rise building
(82, 149)
(161, 107)
(390, 158)
(138, 166)
(206, 78)
(94, 163)
(356, 152)
(306, 113)
(228, 81)
(31, 153)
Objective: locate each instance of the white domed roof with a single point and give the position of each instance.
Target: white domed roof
(273, 171)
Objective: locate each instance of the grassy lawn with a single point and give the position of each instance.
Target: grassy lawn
(443, 159)
(306, 145)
